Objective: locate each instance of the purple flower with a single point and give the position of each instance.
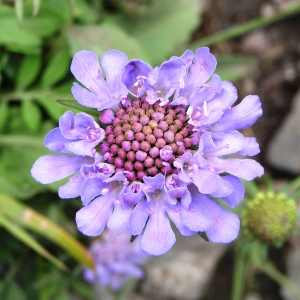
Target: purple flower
(102, 93)
(163, 154)
(116, 260)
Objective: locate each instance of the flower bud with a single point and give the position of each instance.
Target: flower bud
(160, 143)
(137, 127)
(107, 116)
(128, 166)
(126, 146)
(169, 136)
(150, 138)
(270, 218)
(120, 112)
(166, 153)
(139, 166)
(135, 146)
(154, 152)
(149, 161)
(131, 156)
(145, 146)
(116, 121)
(129, 135)
(141, 155)
(144, 120)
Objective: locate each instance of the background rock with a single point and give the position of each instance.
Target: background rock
(184, 271)
(284, 148)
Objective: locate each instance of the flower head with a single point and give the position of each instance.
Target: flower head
(117, 260)
(162, 152)
(270, 217)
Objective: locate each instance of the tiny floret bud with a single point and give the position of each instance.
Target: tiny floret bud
(107, 117)
(166, 153)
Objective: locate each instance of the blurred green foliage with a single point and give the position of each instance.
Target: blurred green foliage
(37, 41)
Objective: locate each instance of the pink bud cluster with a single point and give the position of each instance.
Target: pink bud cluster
(138, 135)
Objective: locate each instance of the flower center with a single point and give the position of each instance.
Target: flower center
(144, 139)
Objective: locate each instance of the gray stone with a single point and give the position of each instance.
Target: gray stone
(184, 271)
(293, 262)
(284, 150)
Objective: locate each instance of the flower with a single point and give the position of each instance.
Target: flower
(165, 150)
(117, 260)
(270, 217)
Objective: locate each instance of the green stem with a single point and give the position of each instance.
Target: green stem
(238, 277)
(23, 95)
(293, 185)
(239, 30)
(281, 279)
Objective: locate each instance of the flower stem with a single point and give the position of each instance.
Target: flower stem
(239, 30)
(238, 276)
(281, 279)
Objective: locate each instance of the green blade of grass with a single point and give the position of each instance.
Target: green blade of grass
(27, 239)
(27, 217)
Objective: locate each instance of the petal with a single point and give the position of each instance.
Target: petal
(224, 188)
(158, 236)
(226, 224)
(55, 141)
(238, 192)
(193, 218)
(203, 66)
(119, 219)
(112, 63)
(88, 99)
(82, 121)
(223, 144)
(82, 147)
(92, 188)
(206, 181)
(85, 67)
(171, 71)
(67, 128)
(246, 169)
(251, 147)
(138, 218)
(241, 116)
(132, 70)
(175, 216)
(72, 188)
(50, 168)
(92, 219)
(207, 92)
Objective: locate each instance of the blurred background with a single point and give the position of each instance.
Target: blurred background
(257, 45)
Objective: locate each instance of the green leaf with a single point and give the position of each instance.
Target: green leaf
(56, 69)
(85, 13)
(101, 38)
(4, 113)
(19, 7)
(164, 26)
(28, 71)
(74, 104)
(14, 291)
(36, 7)
(27, 217)
(53, 108)
(12, 35)
(31, 115)
(42, 26)
(235, 67)
(27, 239)
(203, 235)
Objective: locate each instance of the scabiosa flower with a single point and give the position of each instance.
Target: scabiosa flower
(163, 152)
(270, 217)
(117, 260)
